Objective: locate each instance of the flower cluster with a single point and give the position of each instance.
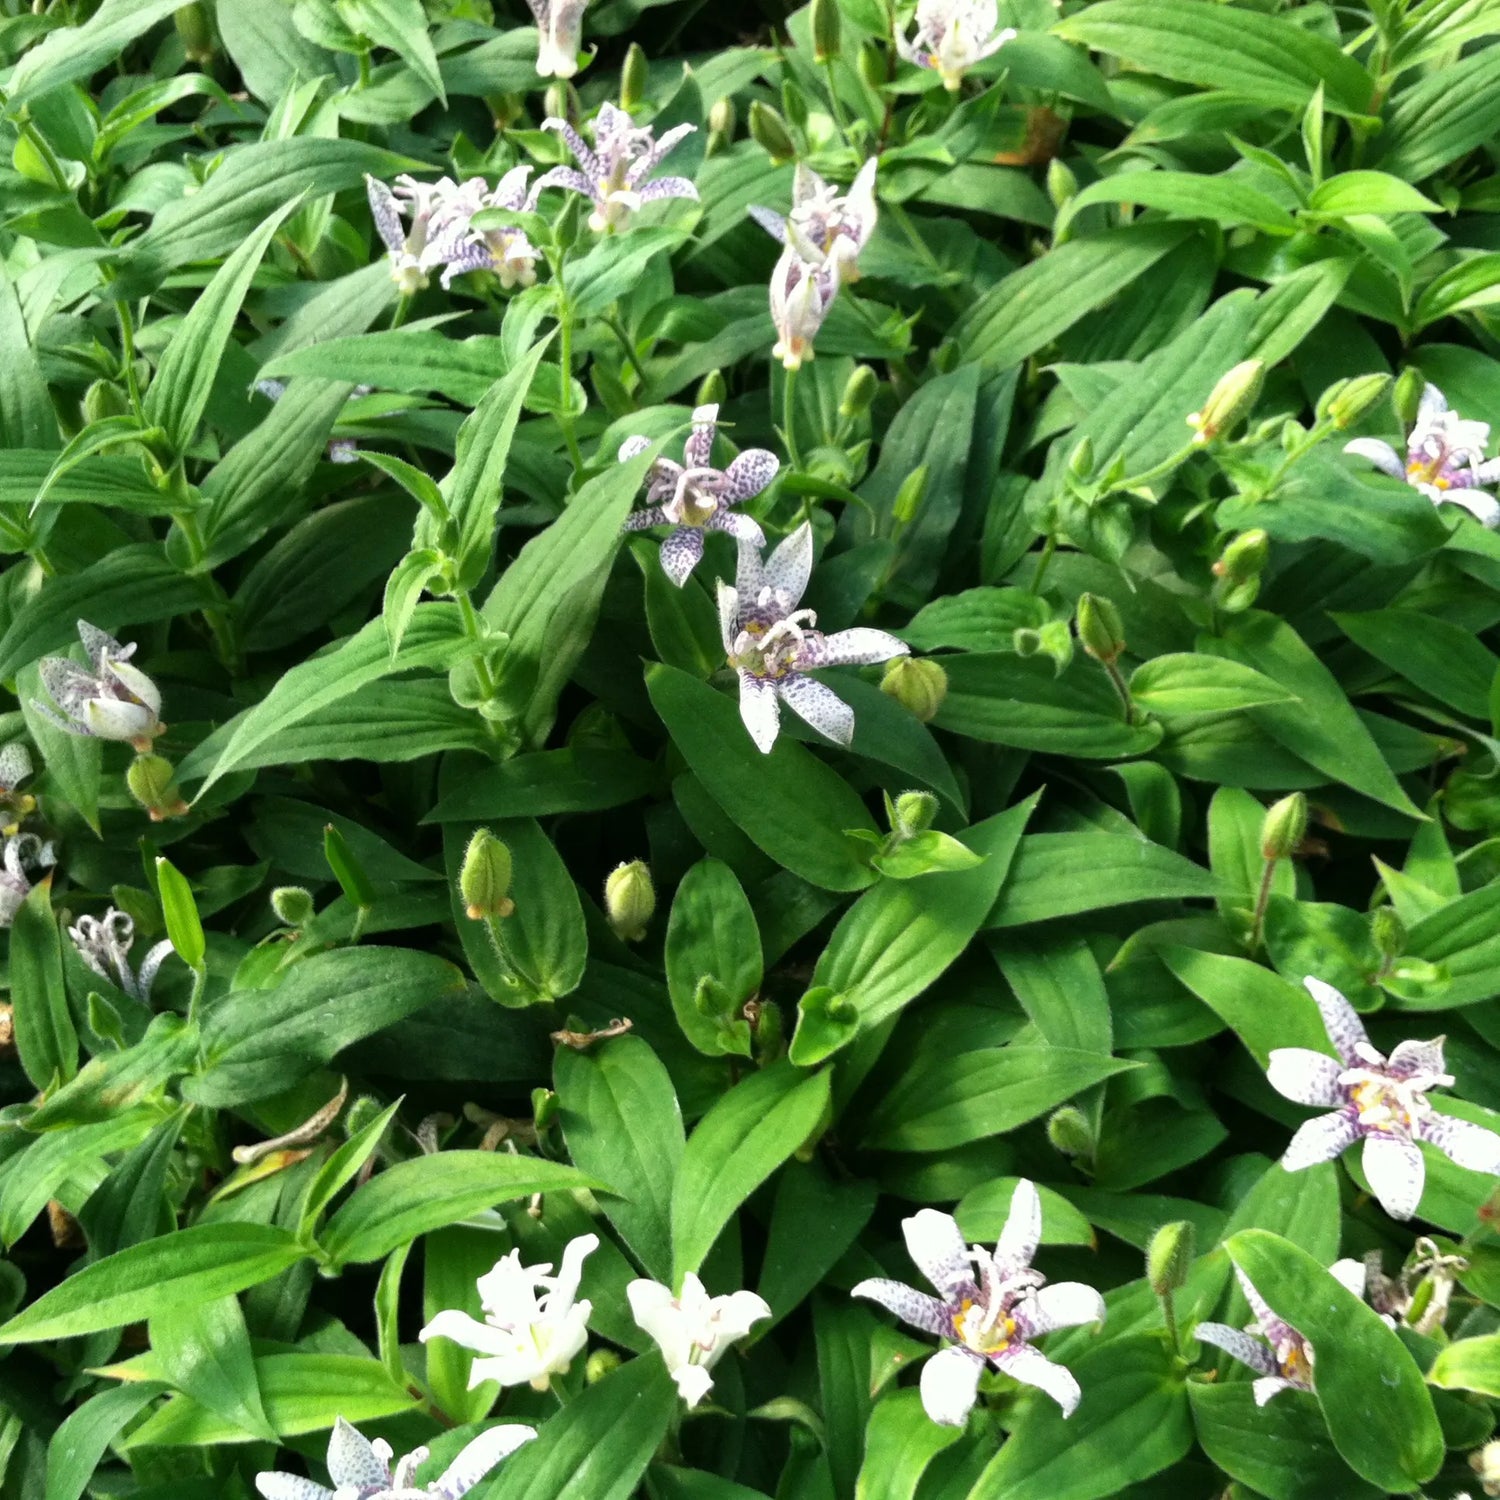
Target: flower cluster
(952, 36)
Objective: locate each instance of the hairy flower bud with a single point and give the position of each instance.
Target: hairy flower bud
(1242, 560)
(600, 1363)
(909, 497)
(1101, 632)
(723, 118)
(769, 1028)
(1081, 459)
(711, 390)
(1406, 395)
(769, 131)
(1230, 401)
(794, 105)
(196, 33)
(825, 30)
(859, 392)
(1283, 827)
(1387, 932)
(633, 78)
(1485, 1463)
(1061, 183)
(150, 781)
(484, 878)
(293, 905)
(1069, 1132)
(914, 812)
(1347, 401)
(630, 900)
(1169, 1257)
(104, 399)
(919, 685)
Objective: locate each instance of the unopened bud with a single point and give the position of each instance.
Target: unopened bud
(363, 1111)
(768, 131)
(1242, 560)
(1081, 459)
(1406, 395)
(293, 905)
(484, 878)
(1101, 632)
(1348, 401)
(910, 496)
(543, 1109)
(633, 78)
(1387, 932)
(859, 392)
(104, 399)
(712, 389)
(918, 684)
(1486, 1465)
(1230, 401)
(794, 105)
(914, 812)
(825, 30)
(1283, 828)
(150, 781)
(1169, 1257)
(871, 66)
(723, 118)
(769, 1028)
(629, 900)
(601, 1362)
(1069, 1132)
(1061, 183)
(196, 33)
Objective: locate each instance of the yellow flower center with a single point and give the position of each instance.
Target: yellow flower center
(1426, 471)
(970, 1325)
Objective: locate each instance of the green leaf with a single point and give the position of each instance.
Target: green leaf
(712, 935)
(195, 1264)
(619, 1116)
(747, 1134)
(203, 1348)
(815, 1218)
(1470, 1364)
(1368, 192)
(427, 1192)
(180, 913)
(1436, 656)
(1264, 1010)
(1187, 683)
(343, 1166)
(1058, 983)
(84, 1438)
(1440, 117)
(789, 802)
(1473, 282)
(1227, 199)
(982, 1213)
(901, 1440)
(46, 1038)
(404, 589)
(546, 935)
(401, 25)
(73, 52)
(982, 619)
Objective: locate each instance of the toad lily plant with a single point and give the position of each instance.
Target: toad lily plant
(952, 36)
(992, 1305)
(693, 497)
(525, 1339)
(109, 699)
(560, 27)
(1379, 1100)
(826, 227)
(1444, 458)
(361, 1469)
(772, 644)
(1280, 1356)
(456, 245)
(693, 1330)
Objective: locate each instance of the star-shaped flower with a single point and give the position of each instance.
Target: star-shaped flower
(560, 23)
(801, 294)
(616, 174)
(103, 943)
(1280, 1356)
(991, 1305)
(693, 497)
(693, 1330)
(109, 699)
(772, 644)
(826, 226)
(361, 1470)
(1444, 458)
(525, 1338)
(456, 245)
(1381, 1101)
(405, 246)
(953, 35)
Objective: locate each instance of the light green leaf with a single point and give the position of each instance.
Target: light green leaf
(45, 1036)
(1186, 683)
(1224, 199)
(74, 52)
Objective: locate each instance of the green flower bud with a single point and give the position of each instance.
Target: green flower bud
(768, 131)
(1282, 830)
(919, 685)
(629, 900)
(484, 877)
(1081, 459)
(1230, 401)
(1061, 183)
(543, 1109)
(914, 812)
(600, 1363)
(769, 1027)
(196, 33)
(633, 78)
(1169, 1257)
(1101, 632)
(1069, 1132)
(910, 496)
(1406, 395)
(871, 65)
(723, 119)
(794, 105)
(1347, 401)
(104, 399)
(712, 389)
(361, 1113)
(150, 781)
(859, 392)
(1387, 932)
(293, 905)
(1242, 560)
(825, 30)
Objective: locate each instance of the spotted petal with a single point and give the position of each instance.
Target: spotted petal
(681, 552)
(1022, 1233)
(950, 1385)
(759, 711)
(631, 446)
(353, 1461)
(699, 447)
(789, 567)
(1345, 1029)
(1484, 508)
(853, 648)
(908, 1304)
(772, 222)
(1463, 1142)
(581, 153)
(667, 187)
(15, 765)
(563, 177)
(639, 520)
(1432, 405)
(1063, 1304)
(1032, 1367)
(476, 1459)
(729, 613)
(749, 474)
(99, 644)
(819, 706)
(1416, 1059)
(1323, 1138)
(1396, 1171)
(276, 1486)
(643, 167)
(936, 1246)
(742, 528)
(1238, 1344)
(1305, 1076)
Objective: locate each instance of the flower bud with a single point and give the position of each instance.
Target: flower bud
(600, 1363)
(363, 1111)
(150, 782)
(914, 812)
(1242, 560)
(1081, 459)
(1406, 395)
(871, 66)
(723, 119)
(484, 878)
(910, 496)
(919, 685)
(104, 399)
(1387, 932)
(859, 392)
(293, 905)
(711, 389)
(825, 30)
(543, 1109)
(1230, 401)
(794, 105)
(1061, 183)
(768, 131)
(769, 1028)
(1283, 827)
(1348, 401)
(1101, 632)
(196, 33)
(633, 78)
(1169, 1257)
(1069, 1132)
(629, 900)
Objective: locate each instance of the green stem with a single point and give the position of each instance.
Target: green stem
(364, 68)
(48, 155)
(788, 417)
(1156, 471)
(1262, 901)
(1048, 549)
(127, 356)
(402, 308)
(1113, 671)
(615, 327)
(1169, 1317)
(565, 359)
(475, 631)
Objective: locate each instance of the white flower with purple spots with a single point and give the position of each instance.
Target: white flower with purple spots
(991, 1305)
(455, 244)
(952, 36)
(1281, 1358)
(560, 24)
(693, 1330)
(693, 497)
(772, 644)
(616, 175)
(826, 226)
(103, 943)
(801, 294)
(1379, 1100)
(23, 853)
(1444, 458)
(107, 700)
(405, 245)
(361, 1469)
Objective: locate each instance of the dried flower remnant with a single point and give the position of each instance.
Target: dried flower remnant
(952, 36)
(23, 853)
(1280, 1356)
(1378, 1100)
(772, 644)
(525, 1338)
(693, 497)
(103, 943)
(992, 1305)
(616, 174)
(361, 1469)
(108, 700)
(560, 24)
(1444, 458)
(693, 1330)
(826, 227)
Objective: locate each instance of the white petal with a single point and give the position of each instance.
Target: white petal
(908, 1304)
(693, 1383)
(468, 1332)
(477, 1458)
(1305, 1076)
(1345, 1030)
(1432, 405)
(729, 614)
(1463, 1142)
(1016, 1248)
(110, 719)
(137, 684)
(790, 566)
(1396, 1171)
(631, 446)
(290, 1487)
(1065, 1304)
(1411, 1059)
(819, 706)
(1238, 1344)
(759, 711)
(352, 1459)
(936, 1246)
(1268, 1386)
(657, 1314)
(570, 1273)
(853, 648)
(1382, 455)
(1484, 508)
(950, 1384)
(738, 1313)
(1350, 1274)
(1323, 1138)
(1022, 1362)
